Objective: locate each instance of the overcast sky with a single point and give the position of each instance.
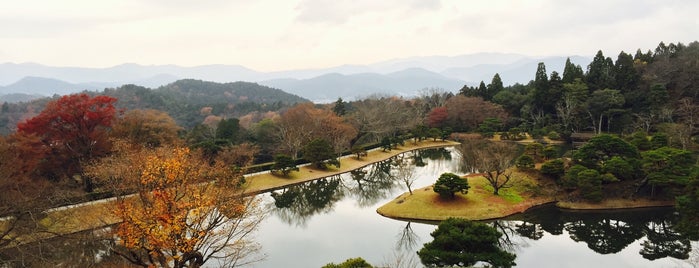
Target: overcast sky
(269, 35)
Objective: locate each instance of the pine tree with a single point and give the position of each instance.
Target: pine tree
(493, 88)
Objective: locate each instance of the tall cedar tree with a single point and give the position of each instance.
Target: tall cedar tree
(75, 129)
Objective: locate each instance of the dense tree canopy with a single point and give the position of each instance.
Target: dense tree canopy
(148, 127)
(463, 243)
(74, 129)
(448, 184)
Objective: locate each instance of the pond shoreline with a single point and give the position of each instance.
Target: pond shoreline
(97, 214)
(437, 214)
(266, 182)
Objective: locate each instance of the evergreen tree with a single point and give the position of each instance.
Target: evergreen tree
(228, 131)
(448, 184)
(571, 72)
(482, 90)
(644, 58)
(541, 87)
(625, 73)
(340, 108)
(458, 242)
(320, 153)
(493, 88)
(600, 73)
(555, 93)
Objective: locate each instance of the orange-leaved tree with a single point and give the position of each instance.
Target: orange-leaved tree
(73, 129)
(148, 127)
(185, 212)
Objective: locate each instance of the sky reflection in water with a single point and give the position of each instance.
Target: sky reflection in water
(347, 226)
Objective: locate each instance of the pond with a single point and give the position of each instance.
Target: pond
(334, 219)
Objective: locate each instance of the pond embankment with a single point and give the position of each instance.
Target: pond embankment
(481, 204)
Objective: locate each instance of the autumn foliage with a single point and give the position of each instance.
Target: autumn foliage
(184, 212)
(437, 117)
(72, 129)
(148, 127)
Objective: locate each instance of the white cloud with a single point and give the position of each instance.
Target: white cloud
(274, 35)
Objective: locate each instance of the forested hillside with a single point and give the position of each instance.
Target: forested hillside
(647, 91)
(183, 100)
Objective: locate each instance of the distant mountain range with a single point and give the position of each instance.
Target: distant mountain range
(404, 77)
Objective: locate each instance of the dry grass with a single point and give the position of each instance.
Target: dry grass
(80, 218)
(478, 204)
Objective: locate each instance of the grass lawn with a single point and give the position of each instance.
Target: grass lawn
(478, 204)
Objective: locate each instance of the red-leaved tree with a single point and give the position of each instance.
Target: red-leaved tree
(72, 129)
(437, 117)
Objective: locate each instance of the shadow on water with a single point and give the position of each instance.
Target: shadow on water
(609, 232)
(298, 203)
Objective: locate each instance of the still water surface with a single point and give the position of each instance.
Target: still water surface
(335, 219)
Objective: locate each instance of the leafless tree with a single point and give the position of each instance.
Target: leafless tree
(404, 170)
(490, 158)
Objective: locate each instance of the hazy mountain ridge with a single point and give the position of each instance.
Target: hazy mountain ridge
(400, 76)
(329, 87)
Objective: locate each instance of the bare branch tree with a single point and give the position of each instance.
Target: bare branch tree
(491, 158)
(404, 170)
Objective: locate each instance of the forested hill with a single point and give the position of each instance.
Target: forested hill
(184, 100)
(199, 91)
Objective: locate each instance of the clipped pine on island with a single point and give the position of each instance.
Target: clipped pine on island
(480, 204)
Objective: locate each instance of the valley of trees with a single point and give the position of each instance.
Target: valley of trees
(69, 149)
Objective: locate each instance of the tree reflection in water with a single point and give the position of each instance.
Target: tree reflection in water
(298, 203)
(372, 184)
(529, 230)
(604, 235)
(407, 238)
(611, 232)
(434, 154)
(662, 241)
